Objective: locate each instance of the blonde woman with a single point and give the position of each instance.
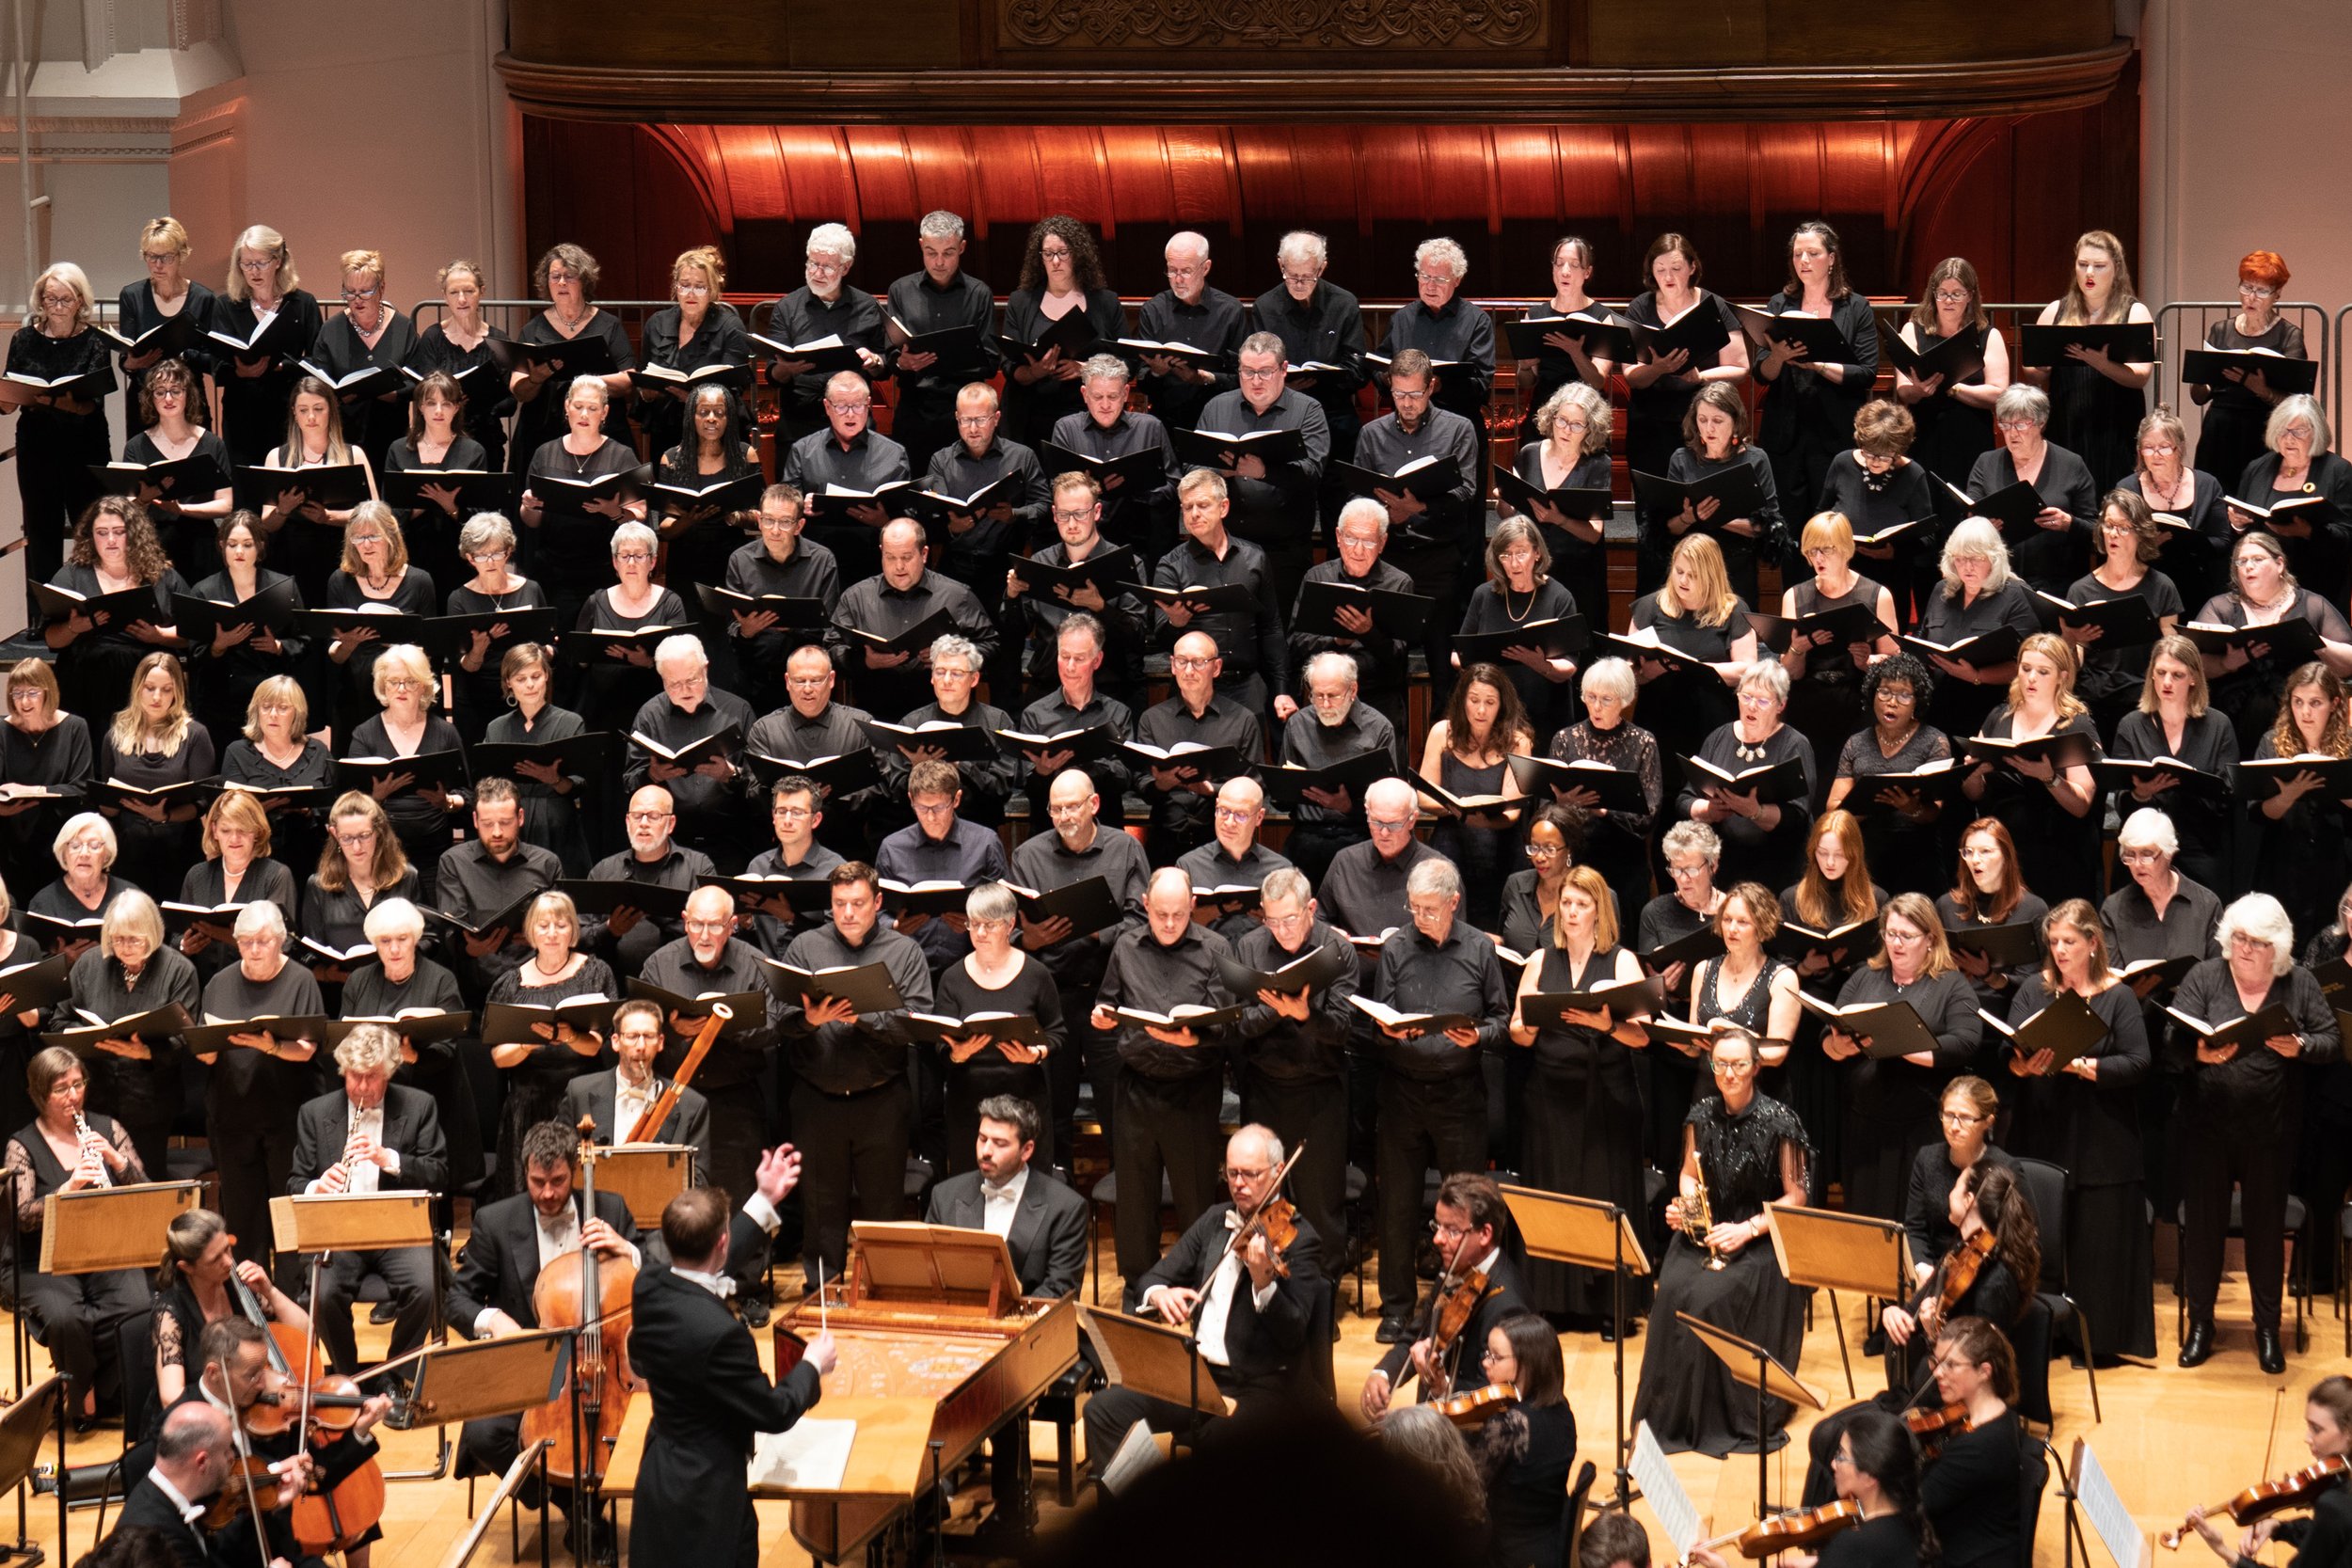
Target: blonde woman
(1825, 698)
(369, 334)
(1978, 597)
(697, 329)
(409, 726)
(63, 910)
(153, 743)
(1570, 453)
(376, 577)
(557, 970)
(2096, 401)
(1695, 614)
(571, 536)
(2046, 801)
(252, 388)
(459, 346)
(45, 756)
(60, 433)
(163, 293)
(2187, 502)
(135, 1078)
(275, 756)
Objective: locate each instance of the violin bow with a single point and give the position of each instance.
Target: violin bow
(252, 1504)
(1273, 1191)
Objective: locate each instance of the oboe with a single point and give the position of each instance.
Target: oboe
(90, 1155)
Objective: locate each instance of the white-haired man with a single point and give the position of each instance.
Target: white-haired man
(1382, 660)
(1320, 323)
(711, 794)
(827, 305)
(1332, 728)
(1139, 510)
(938, 297)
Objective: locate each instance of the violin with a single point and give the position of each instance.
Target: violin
(1960, 1270)
(1277, 1220)
(1480, 1406)
(330, 1515)
(1933, 1429)
(1450, 1313)
(1801, 1530)
(2299, 1489)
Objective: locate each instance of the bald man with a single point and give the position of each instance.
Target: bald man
(1170, 1079)
(1197, 715)
(848, 451)
(628, 937)
(1189, 312)
(904, 594)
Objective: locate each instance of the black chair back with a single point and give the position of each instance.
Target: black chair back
(2031, 1338)
(2033, 1477)
(135, 1353)
(1572, 1522)
(2046, 1184)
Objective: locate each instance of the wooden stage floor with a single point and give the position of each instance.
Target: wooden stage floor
(2170, 1438)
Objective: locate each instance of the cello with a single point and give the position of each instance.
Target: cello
(584, 1291)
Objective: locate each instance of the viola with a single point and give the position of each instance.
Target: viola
(2299, 1489)
(1480, 1406)
(1277, 1220)
(1933, 1429)
(1450, 1313)
(1960, 1270)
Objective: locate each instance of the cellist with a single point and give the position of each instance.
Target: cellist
(514, 1241)
(1470, 1221)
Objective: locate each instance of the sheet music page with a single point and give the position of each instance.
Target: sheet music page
(1664, 1493)
(812, 1457)
(2109, 1518)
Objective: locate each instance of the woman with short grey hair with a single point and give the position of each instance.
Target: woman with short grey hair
(1616, 840)
(623, 678)
(2059, 549)
(982, 1059)
(1763, 828)
(134, 1079)
(488, 545)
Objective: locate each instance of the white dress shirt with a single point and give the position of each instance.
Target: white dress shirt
(630, 1103)
(998, 1205)
(1219, 1308)
(365, 1175)
(189, 1512)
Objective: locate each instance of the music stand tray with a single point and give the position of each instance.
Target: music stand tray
(461, 1551)
(646, 1176)
(25, 1426)
(940, 1268)
(1754, 1367)
(1826, 1250)
(97, 1229)
(465, 1380)
(351, 1222)
(1152, 1358)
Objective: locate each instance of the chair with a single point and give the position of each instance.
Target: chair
(1572, 1526)
(2047, 1186)
(2036, 1459)
(1059, 1405)
(2029, 1337)
(2299, 1264)
(1104, 1198)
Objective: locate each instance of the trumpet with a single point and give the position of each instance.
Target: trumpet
(1698, 1216)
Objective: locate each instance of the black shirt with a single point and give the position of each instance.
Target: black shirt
(1286, 1051)
(1386, 446)
(922, 306)
(1168, 725)
(800, 317)
(1381, 660)
(1250, 642)
(1146, 974)
(1266, 511)
(1213, 323)
(1042, 861)
(1460, 975)
(2047, 560)
(1458, 331)
(869, 1050)
(1328, 329)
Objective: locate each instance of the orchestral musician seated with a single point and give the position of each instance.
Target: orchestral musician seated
(1479, 1277)
(1043, 1223)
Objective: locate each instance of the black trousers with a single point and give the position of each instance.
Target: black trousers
(1066, 1067)
(1165, 1127)
(738, 1132)
(77, 1317)
(1312, 1116)
(2256, 1160)
(253, 1158)
(1110, 1414)
(1424, 1127)
(854, 1151)
(409, 1274)
(1436, 573)
(487, 1446)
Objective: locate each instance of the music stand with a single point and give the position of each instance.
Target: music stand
(646, 1176)
(467, 1380)
(1752, 1365)
(462, 1551)
(943, 1267)
(1154, 1359)
(1590, 1233)
(1821, 1249)
(25, 1426)
(99, 1229)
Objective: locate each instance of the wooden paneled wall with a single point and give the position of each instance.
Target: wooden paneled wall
(2010, 193)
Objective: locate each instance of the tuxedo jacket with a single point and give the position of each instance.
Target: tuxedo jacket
(146, 1508)
(591, 1095)
(500, 1264)
(412, 1126)
(709, 1398)
(1266, 1350)
(1504, 1297)
(1048, 1240)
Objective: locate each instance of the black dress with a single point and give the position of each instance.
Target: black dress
(540, 420)
(2058, 852)
(476, 373)
(1952, 433)
(2202, 822)
(2092, 1130)
(1582, 1135)
(1031, 992)
(423, 826)
(1653, 418)
(1998, 986)
(297, 833)
(551, 822)
(223, 684)
(413, 595)
(1905, 856)
(2235, 422)
(94, 669)
(2319, 558)
(369, 423)
(699, 551)
(1030, 411)
(480, 695)
(56, 449)
(2098, 418)
(1825, 703)
(1774, 857)
(1583, 569)
(1481, 854)
(1958, 708)
(534, 1088)
(2110, 675)
(1683, 706)
(1548, 702)
(571, 550)
(1891, 1105)
(1741, 553)
(153, 854)
(254, 409)
(1873, 503)
(1617, 844)
(1886, 1542)
(431, 533)
(2300, 858)
(719, 341)
(2048, 558)
(190, 542)
(78, 1318)
(2195, 554)
(59, 758)
(1686, 1395)
(2250, 694)
(613, 689)
(1807, 422)
(136, 314)
(1971, 1494)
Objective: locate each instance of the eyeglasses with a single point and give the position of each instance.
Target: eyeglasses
(631, 558)
(1302, 280)
(1191, 662)
(1267, 374)
(1902, 696)
(1434, 277)
(351, 294)
(708, 927)
(1234, 814)
(1491, 1354)
(973, 421)
(1247, 1173)
(847, 408)
(647, 818)
(403, 683)
(350, 840)
(828, 268)
(1392, 825)
(1546, 851)
(1948, 296)
(1073, 513)
(691, 288)
(1053, 253)
(2257, 290)
(2142, 856)
(793, 814)
(1359, 541)
(1961, 1118)
(160, 393)
(1731, 1069)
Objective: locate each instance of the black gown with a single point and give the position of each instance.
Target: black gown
(540, 418)
(430, 533)
(551, 822)
(570, 552)
(1582, 1134)
(412, 594)
(534, 1088)
(1683, 706)
(1654, 421)
(1904, 856)
(2058, 852)
(2196, 554)
(2250, 694)
(476, 373)
(2096, 418)
(1872, 504)
(1617, 844)
(1741, 554)
(2092, 1130)
(1957, 707)
(1825, 703)
(2230, 435)
(1891, 1105)
(223, 685)
(255, 410)
(1549, 704)
(1774, 857)
(56, 449)
(2111, 674)
(1686, 1395)
(2202, 822)
(1583, 569)
(2302, 856)
(369, 423)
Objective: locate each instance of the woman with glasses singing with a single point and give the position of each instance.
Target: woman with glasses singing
(1955, 418)
(566, 278)
(259, 1081)
(622, 678)
(2297, 469)
(550, 797)
(274, 756)
(2085, 1115)
(1898, 821)
(1747, 1149)
(60, 433)
(361, 864)
(2057, 550)
(535, 1075)
(2193, 525)
(697, 334)
(171, 404)
(2239, 405)
(253, 389)
(375, 576)
(369, 335)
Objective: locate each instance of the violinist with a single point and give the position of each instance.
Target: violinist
(1526, 1452)
(513, 1239)
(1970, 1486)
(1877, 1470)
(1992, 1274)
(1970, 1105)
(1478, 1285)
(238, 1384)
(1255, 1343)
(195, 1459)
(2326, 1537)
(709, 1394)
(369, 1137)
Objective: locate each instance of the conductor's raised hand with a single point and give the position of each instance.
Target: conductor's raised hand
(779, 1173)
